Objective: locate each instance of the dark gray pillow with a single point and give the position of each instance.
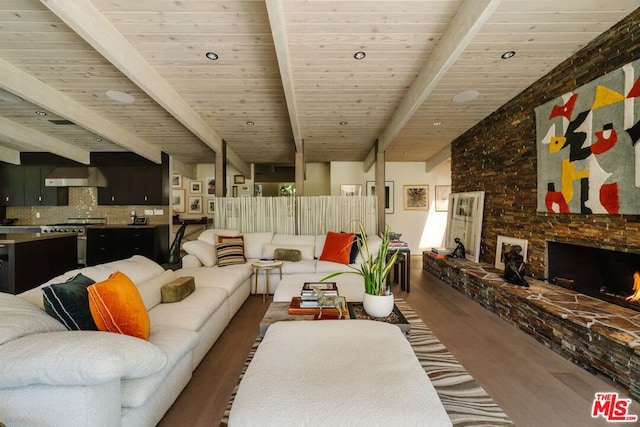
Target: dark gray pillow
(68, 302)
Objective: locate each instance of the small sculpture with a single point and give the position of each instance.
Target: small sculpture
(331, 301)
(514, 266)
(459, 251)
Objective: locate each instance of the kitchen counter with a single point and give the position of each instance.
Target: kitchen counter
(19, 229)
(8, 238)
(28, 260)
(108, 226)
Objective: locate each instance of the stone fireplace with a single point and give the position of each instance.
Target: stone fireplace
(601, 273)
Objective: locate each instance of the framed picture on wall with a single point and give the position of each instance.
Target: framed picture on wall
(210, 183)
(196, 187)
(416, 197)
(195, 205)
(442, 198)
(211, 206)
(177, 200)
(388, 194)
(238, 179)
(351, 190)
(176, 180)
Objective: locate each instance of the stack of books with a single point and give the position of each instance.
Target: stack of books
(440, 252)
(309, 299)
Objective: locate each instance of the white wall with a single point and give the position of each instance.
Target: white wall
(421, 229)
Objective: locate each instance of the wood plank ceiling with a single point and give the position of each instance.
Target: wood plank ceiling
(285, 77)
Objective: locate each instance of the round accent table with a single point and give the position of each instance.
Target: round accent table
(265, 266)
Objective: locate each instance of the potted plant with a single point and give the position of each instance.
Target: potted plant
(377, 300)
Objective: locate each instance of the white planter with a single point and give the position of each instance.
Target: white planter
(377, 305)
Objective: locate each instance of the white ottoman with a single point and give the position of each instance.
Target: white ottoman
(336, 372)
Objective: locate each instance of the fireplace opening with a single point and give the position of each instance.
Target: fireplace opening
(612, 276)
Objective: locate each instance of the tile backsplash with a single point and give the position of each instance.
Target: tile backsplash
(83, 203)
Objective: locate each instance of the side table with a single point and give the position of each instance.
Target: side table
(266, 267)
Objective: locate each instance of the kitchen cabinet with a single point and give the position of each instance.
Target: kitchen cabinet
(132, 180)
(38, 194)
(24, 186)
(110, 243)
(28, 260)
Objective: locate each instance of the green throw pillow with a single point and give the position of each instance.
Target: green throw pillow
(178, 289)
(282, 254)
(68, 302)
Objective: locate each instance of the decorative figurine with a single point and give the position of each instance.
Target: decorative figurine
(459, 251)
(514, 266)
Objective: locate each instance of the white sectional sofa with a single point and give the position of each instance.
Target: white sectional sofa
(201, 253)
(56, 377)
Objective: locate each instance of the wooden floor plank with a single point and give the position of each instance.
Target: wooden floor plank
(532, 384)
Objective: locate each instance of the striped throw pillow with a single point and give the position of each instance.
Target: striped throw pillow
(230, 251)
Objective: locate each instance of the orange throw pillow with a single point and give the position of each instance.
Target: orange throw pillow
(337, 247)
(116, 306)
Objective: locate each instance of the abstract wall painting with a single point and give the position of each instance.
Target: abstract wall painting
(588, 151)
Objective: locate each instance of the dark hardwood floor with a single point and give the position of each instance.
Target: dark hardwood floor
(532, 384)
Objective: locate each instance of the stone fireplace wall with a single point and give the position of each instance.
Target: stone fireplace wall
(498, 156)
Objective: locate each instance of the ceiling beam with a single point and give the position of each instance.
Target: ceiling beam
(281, 43)
(39, 93)
(440, 157)
(42, 141)
(470, 18)
(10, 156)
(90, 24)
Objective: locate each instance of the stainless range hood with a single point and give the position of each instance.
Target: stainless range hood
(75, 177)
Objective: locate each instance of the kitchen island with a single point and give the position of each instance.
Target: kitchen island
(29, 259)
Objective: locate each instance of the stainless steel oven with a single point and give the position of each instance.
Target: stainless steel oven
(79, 226)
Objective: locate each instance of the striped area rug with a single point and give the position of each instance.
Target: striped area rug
(466, 403)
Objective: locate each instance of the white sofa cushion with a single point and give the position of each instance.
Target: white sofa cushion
(190, 261)
(254, 243)
(190, 313)
(305, 250)
(319, 245)
(211, 236)
(150, 290)
(76, 358)
(294, 239)
(304, 266)
(228, 278)
(332, 267)
(19, 318)
(205, 253)
(374, 243)
(174, 343)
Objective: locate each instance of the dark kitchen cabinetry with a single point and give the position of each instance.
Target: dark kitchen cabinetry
(105, 244)
(24, 186)
(38, 194)
(132, 180)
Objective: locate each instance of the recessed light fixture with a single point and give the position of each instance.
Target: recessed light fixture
(41, 113)
(343, 123)
(250, 123)
(120, 96)
(97, 139)
(465, 96)
(437, 122)
(508, 54)
(211, 55)
(359, 55)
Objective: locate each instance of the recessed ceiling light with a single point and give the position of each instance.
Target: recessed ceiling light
(211, 55)
(359, 55)
(465, 96)
(97, 139)
(508, 54)
(41, 113)
(120, 96)
(250, 123)
(437, 122)
(8, 96)
(344, 123)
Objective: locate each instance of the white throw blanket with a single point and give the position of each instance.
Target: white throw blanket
(336, 372)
